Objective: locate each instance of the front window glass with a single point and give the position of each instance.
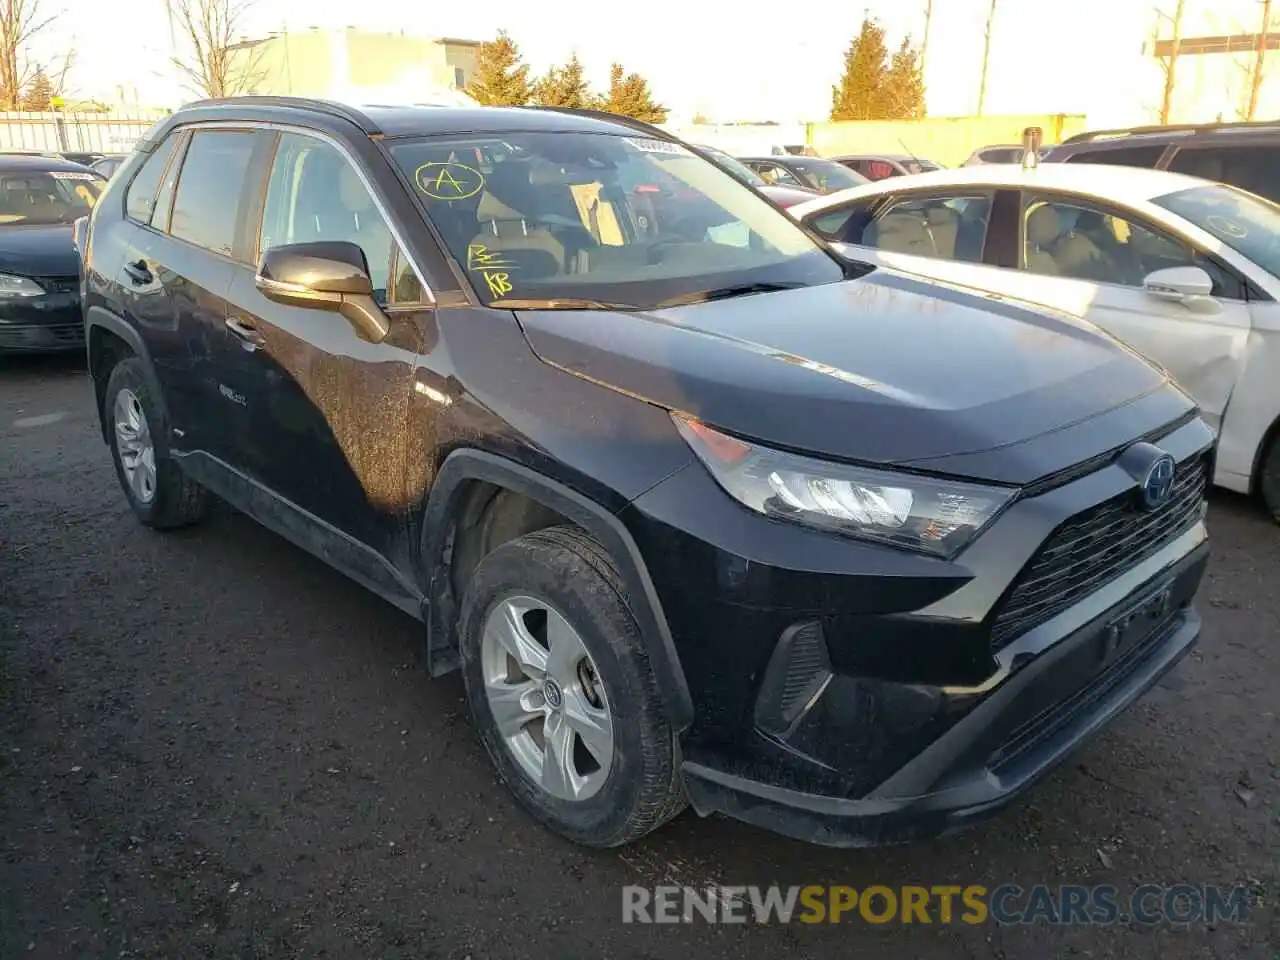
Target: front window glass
(48, 196)
(1247, 224)
(622, 220)
(314, 194)
(1067, 240)
(826, 175)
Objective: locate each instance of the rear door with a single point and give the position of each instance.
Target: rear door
(179, 270)
(940, 233)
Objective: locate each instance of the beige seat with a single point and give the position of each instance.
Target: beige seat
(902, 232)
(506, 233)
(1044, 228)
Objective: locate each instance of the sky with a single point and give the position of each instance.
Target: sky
(749, 59)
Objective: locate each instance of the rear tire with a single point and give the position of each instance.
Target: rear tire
(547, 592)
(160, 494)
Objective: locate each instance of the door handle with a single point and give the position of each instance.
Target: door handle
(139, 272)
(245, 331)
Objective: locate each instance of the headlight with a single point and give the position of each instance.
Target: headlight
(11, 286)
(917, 512)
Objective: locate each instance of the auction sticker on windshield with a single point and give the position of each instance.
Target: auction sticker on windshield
(657, 146)
(73, 175)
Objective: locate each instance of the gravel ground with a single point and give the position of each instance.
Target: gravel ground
(211, 745)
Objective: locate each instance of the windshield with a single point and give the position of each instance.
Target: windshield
(826, 175)
(612, 219)
(48, 196)
(1247, 224)
(734, 166)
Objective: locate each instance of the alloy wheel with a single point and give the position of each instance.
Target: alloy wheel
(134, 446)
(547, 701)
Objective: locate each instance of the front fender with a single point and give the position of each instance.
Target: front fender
(446, 497)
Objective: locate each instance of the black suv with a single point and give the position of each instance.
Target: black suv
(702, 513)
(1245, 155)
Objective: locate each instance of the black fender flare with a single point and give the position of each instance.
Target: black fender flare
(444, 501)
(97, 316)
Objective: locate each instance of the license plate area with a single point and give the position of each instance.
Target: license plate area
(1128, 629)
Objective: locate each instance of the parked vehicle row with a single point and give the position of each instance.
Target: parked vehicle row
(704, 512)
(40, 199)
(1240, 154)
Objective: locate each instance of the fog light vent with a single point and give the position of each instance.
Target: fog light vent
(797, 673)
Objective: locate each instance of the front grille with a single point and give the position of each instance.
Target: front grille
(1092, 549)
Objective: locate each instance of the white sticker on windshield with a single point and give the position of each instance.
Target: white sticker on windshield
(72, 175)
(657, 146)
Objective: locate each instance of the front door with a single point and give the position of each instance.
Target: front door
(1091, 263)
(325, 411)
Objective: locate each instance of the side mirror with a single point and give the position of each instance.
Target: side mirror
(328, 275)
(1189, 286)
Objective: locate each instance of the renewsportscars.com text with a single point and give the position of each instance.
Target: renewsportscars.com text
(1065, 904)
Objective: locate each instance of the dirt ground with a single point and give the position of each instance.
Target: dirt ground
(211, 745)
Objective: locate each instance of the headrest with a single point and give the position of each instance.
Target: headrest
(1044, 225)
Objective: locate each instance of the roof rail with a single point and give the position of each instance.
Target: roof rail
(1192, 128)
(331, 107)
(637, 125)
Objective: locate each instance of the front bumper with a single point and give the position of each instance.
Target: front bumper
(45, 324)
(906, 716)
(1024, 727)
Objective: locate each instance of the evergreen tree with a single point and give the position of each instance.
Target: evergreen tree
(500, 79)
(38, 97)
(564, 87)
(860, 95)
(629, 96)
(904, 84)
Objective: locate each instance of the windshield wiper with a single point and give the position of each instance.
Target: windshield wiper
(722, 293)
(557, 303)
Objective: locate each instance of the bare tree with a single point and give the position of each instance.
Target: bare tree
(924, 40)
(20, 22)
(206, 51)
(1259, 61)
(1168, 62)
(986, 57)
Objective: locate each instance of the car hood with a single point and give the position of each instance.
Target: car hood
(884, 369)
(38, 250)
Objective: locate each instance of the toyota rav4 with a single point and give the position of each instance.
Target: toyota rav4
(704, 514)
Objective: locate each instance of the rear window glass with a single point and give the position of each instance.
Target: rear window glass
(1147, 156)
(210, 187)
(1250, 168)
(140, 200)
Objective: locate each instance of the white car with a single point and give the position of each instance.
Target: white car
(1184, 271)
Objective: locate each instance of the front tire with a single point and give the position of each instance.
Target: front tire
(1269, 478)
(161, 495)
(561, 691)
